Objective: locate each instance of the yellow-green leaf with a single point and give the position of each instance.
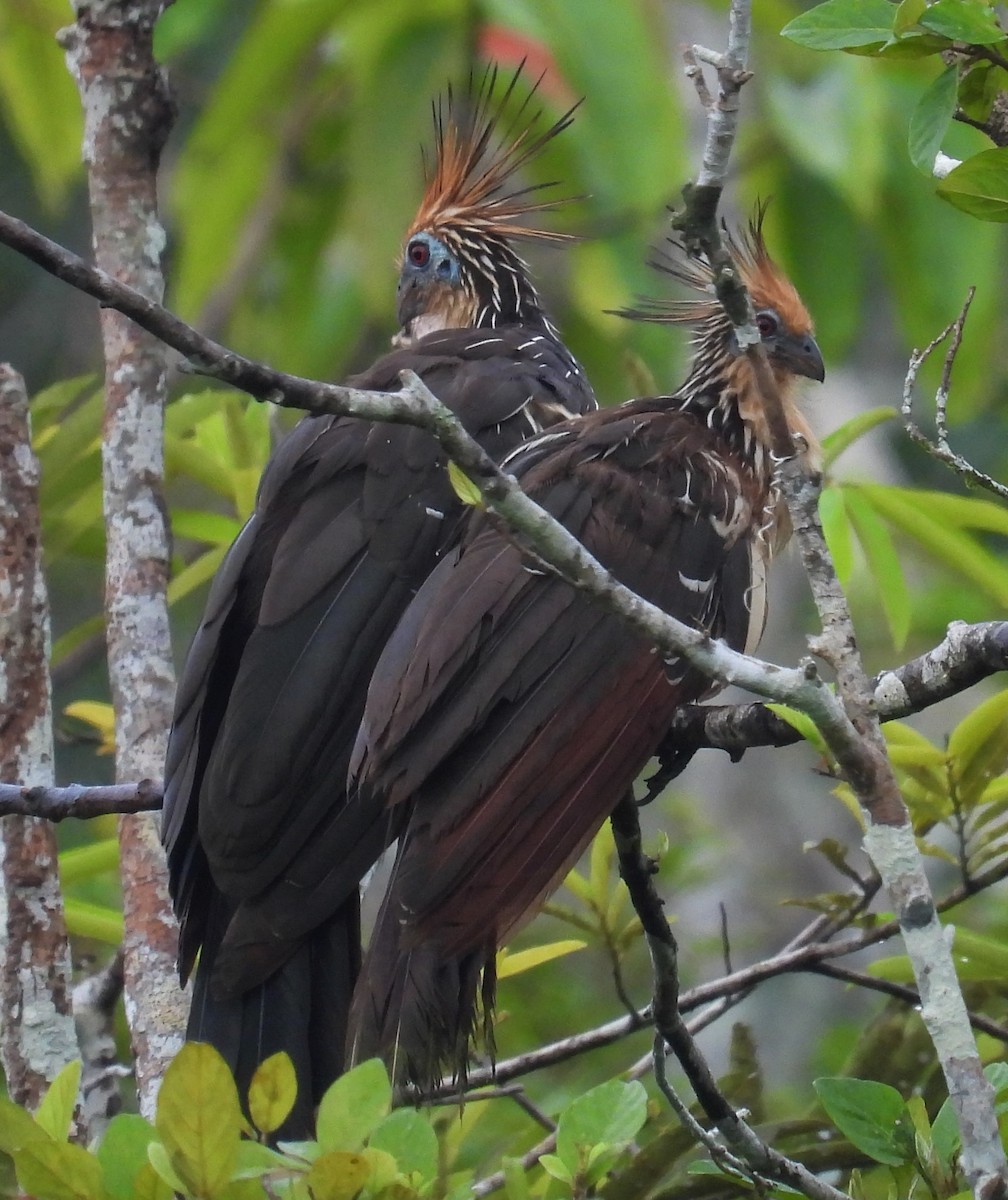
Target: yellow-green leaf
(56, 1110)
(199, 1118)
(99, 716)
(463, 486)
(519, 961)
(272, 1092)
(353, 1106)
(58, 1171)
(803, 724)
(338, 1175)
(978, 747)
(85, 919)
(85, 862)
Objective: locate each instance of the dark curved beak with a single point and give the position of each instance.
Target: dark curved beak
(407, 299)
(800, 354)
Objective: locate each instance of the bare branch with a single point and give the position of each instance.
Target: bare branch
(76, 800)
(940, 448)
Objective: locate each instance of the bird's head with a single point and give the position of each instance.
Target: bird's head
(720, 372)
(459, 269)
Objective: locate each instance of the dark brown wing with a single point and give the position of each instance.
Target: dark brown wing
(509, 712)
(350, 519)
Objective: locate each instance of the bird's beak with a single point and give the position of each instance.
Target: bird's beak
(800, 354)
(408, 299)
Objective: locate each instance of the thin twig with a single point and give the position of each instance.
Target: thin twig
(940, 448)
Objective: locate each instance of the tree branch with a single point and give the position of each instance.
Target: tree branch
(941, 448)
(127, 117)
(37, 1036)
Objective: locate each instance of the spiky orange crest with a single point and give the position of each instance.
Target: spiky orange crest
(766, 283)
(478, 153)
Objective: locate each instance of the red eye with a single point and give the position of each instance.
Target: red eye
(766, 323)
(419, 253)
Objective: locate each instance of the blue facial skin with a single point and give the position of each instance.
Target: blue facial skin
(426, 262)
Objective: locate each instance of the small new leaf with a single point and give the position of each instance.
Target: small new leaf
(463, 486)
(979, 186)
(970, 21)
(55, 1113)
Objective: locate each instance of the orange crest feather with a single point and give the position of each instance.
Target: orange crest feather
(477, 157)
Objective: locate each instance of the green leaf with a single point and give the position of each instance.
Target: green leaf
(255, 1160)
(159, 1159)
(611, 1114)
(88, 861)
(199, 1118)
(407, 1135)
(909, 512)
(966, 512)
(18, 1127)
(42, 111)
(970, 21)
(98, 921)
(518, 962)
(839, 24)
(56, 1110)
(835, 443)
(884, 564)
(58, 1171)
(804, 724)
(272, 1092)
(556, 1167)
(353, 1106)
(932, 118)
(213, 528)
(463, 486)
(907, 15)
(837, 531)
(870, 1115)
(123, 1153)
(148, 1184)
(978, 747)
(978, 959)
(979, 186)
(516, 1185)
(338, 1175)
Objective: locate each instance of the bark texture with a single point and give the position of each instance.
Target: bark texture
(128, 114)
(37, 1036)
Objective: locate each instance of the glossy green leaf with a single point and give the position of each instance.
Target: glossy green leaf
(272, 1093)
(840, 24)
(884, 564)
(408, 1136)
(199, 1119)
(979, 186)
(908, 14)
(123, 1153)
(353, 1106)
(56, 1109)
(58, 1171)
(932, 118)
(611, 1114)
(871, 1115)
(837, 531)
(553, 1165)
(970, 21)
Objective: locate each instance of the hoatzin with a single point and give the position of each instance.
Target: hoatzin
(509, 712)
(265, 856)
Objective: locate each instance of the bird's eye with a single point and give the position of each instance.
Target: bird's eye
(418, 253)
(767, 323)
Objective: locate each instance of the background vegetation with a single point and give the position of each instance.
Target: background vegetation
(291, 174)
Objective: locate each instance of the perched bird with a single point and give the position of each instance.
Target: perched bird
(265, 857)
(509, 712)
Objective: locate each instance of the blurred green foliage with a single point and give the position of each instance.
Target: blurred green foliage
(294, 169)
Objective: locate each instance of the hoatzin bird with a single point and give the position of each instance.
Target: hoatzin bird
(509, 712)
(265, 856)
